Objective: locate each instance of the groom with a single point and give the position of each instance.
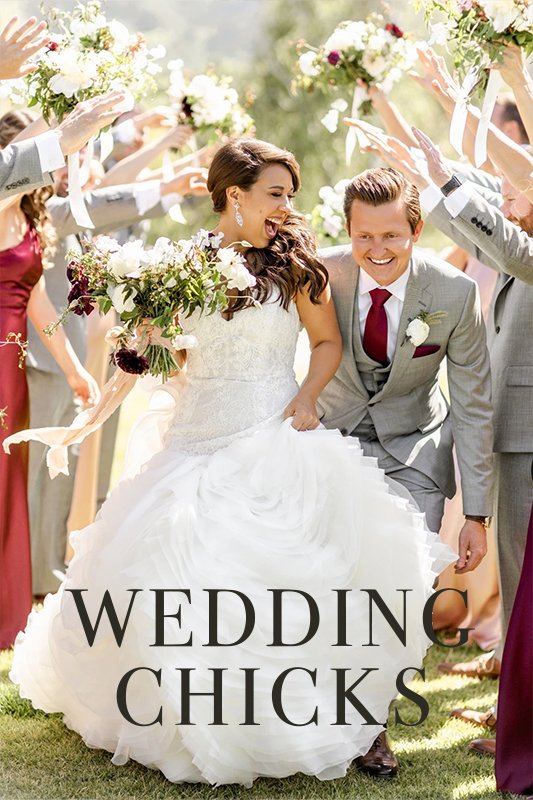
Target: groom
(402, 314)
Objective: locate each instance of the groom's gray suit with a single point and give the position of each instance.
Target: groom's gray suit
(482, 230)
(399, 412)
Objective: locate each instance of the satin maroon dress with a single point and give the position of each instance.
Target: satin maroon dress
(20, 269)
(514, 740)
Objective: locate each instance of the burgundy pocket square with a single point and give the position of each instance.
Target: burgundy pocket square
(426, 350)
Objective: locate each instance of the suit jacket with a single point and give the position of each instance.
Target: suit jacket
(108, 208)
(20, 169)
(483, 231)
(412, 418)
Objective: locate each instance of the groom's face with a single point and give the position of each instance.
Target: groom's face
(382, 239)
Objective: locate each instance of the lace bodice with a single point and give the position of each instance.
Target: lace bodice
(239, 377)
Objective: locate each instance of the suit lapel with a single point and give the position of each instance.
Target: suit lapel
(347, 311)
(418, 297)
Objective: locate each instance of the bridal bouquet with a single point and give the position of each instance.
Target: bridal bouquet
(374, 51)
(478, 30)
(209, 103)
(148, 288)
(88, 57)
(327, 217)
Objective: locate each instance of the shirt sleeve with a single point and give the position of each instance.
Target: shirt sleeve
(50, 153)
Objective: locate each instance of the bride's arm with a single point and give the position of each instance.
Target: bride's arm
(320, 322)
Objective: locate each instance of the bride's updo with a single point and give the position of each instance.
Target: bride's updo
(290, 262)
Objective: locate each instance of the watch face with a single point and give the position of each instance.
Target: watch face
(452, 184)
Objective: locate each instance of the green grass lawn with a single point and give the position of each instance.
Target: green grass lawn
(41, 760)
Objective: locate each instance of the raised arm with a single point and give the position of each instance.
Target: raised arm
(516, 75)
(513, 161)
(127, 170)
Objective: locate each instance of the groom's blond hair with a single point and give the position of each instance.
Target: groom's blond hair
(379, 186)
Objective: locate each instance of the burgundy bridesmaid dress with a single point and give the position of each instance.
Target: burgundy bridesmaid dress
(514, 739)
(20, 269)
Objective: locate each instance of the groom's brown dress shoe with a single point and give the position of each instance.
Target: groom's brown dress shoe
(485, 747)
(380, 761)
(482, 667)
(485, 719)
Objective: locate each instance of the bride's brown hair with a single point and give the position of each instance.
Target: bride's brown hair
(290, 261)
(32, 204)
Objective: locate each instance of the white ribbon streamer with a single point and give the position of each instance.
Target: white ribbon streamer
(174, 212)
(493, 87)
(85, 168)
(460, 112)
(106, 145)
(75, 194)
(353, 135)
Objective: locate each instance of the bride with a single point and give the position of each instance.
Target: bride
(215, 620)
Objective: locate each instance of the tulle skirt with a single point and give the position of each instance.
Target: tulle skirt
(197, 549)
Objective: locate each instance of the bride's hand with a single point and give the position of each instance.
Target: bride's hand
(303, 411)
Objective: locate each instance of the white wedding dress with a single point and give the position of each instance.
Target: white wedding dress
(235, 498)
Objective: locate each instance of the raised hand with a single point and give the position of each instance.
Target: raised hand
(17, 44)
(188, 181)
(513, 67)
(439, 171)
(392, 150)
(436, 78)
(87, 119)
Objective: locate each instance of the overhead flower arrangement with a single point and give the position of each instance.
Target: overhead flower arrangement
(373, 51)
(476, 32)
(88, 56)
(208, 102)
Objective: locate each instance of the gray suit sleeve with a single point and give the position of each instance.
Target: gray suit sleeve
(485, 233)
(20, 169)
(470, 406)
(109, 208)
(482, 179)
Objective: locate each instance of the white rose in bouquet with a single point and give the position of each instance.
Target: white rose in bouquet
(128, 260)
(118, 298)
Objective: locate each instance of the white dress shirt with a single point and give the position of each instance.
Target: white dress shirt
(393, 307)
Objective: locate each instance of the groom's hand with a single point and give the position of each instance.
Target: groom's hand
(472, 546)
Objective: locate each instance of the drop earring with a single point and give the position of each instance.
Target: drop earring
(238, 216)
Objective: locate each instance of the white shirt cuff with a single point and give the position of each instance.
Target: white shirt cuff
(169, 200)
(430, 197)
(50, 153)
(147, 196)
(457, 200)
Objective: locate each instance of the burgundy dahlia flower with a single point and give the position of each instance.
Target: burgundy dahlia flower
(130, 361)
(395, 30)
(334, 57)
(79, 292)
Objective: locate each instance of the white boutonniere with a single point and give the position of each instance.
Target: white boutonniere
(418, 329)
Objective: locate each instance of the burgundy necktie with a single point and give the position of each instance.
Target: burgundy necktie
(376, 327)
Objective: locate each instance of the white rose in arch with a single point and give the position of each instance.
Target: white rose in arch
(417, 331)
